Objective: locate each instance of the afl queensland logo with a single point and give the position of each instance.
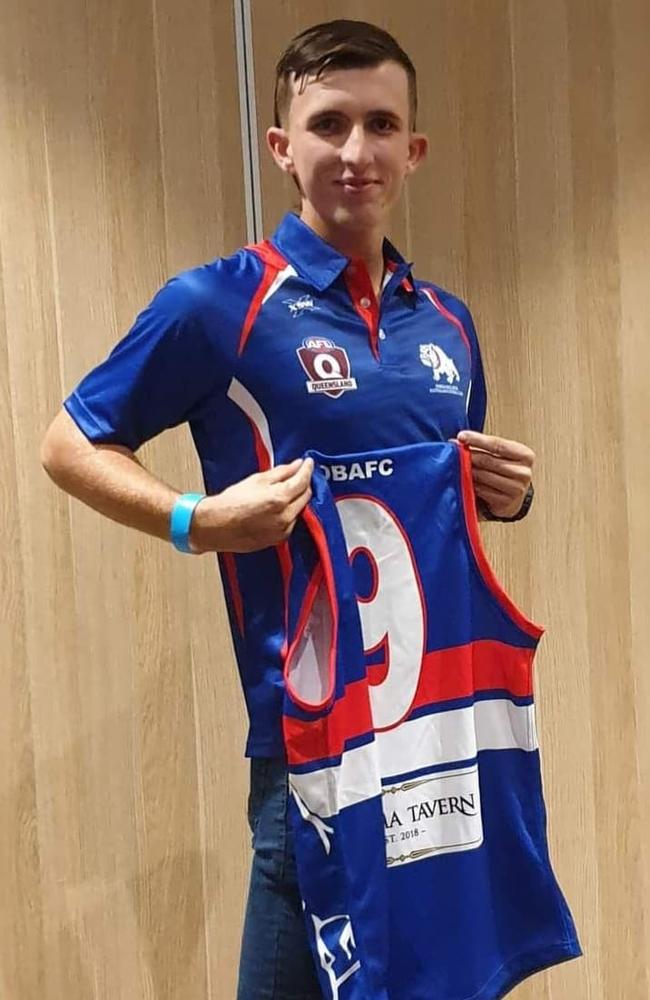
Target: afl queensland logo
(327, 367)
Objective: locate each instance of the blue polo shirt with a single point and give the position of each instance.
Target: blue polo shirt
(281, 348)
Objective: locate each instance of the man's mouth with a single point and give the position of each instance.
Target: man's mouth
(357, 187)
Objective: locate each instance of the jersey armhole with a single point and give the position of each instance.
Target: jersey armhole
(486, 572)
(310, 661)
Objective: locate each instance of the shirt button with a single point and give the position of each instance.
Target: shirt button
(382, 335)
(365, 302)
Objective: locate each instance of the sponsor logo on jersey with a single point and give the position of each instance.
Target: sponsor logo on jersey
(299, 306)
(358, 470)
(444, 371)
(327, 367)
(336, 949)
(433, 814)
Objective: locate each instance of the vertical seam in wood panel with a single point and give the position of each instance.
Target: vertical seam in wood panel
(513, 110)
(20, 557)
(248, 120)
(161, 145)
(576, 521)
(625, 415)
(58, 321)
(53, 251)
(202, 820)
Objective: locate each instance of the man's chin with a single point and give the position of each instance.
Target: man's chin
(354, 215)
(348, 218)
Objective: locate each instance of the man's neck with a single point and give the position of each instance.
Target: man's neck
(360, 246)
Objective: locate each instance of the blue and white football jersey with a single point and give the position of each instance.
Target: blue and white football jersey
(277, 349)
(409, 725)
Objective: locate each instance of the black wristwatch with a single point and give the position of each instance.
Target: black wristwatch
(523, 510)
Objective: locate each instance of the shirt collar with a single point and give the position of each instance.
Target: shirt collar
(318, 260)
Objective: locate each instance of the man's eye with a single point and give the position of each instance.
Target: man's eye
(328, 124)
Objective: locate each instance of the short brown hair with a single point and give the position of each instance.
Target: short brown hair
(340, 44)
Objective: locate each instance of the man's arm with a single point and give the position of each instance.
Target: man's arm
(257, 512)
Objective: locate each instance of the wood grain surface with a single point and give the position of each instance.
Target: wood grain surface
(124, 849)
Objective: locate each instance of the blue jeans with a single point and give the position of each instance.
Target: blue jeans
(276, 961)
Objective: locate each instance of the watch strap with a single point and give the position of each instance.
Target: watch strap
(521, 513)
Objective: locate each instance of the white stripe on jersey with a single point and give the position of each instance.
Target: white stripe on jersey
(427, 741)
(247, 402)
(355, 779)
(280, 278)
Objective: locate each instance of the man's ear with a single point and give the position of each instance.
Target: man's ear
(418, 149)
(278, 143)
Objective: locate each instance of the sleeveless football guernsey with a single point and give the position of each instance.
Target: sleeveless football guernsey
(409, 729)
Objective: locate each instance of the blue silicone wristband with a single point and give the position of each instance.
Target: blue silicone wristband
(181, 520)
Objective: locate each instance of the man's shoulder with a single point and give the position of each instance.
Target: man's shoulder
(449, 301)
(444, 295)
(216, 282)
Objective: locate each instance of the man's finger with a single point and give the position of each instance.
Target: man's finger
(492, 498)
(280, 473)
(296, 506)
(501, 484)
(501, 447)
(484, 461)
(297, 483)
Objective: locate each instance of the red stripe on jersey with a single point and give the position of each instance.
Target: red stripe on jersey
(360, 288)
(304, 617)
(324, 571)
(486, 571)
(325, 737)
(273, 262)
(261, 451)
(286, 567)
(483, 665)
(233, 585)
(391, 265)
(364, 550)
(447, 674)
(431, 295)
(268, 253)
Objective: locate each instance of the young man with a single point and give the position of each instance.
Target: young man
(317, 338)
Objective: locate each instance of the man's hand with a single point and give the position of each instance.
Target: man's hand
(255, 513)
(502, 471)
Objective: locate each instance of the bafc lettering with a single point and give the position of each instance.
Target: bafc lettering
(358, 470)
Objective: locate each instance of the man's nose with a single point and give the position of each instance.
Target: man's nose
(356, 148)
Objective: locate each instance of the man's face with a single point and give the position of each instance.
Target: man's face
(350, 125)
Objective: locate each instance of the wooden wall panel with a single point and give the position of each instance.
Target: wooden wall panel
(124, 699)
(631, 33)
(549, 358)
(597, 265)
(21, 953)
(122, 721)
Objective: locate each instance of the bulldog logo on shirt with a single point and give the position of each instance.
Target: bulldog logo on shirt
(327, 367)
(444, 371)
(441, 364)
